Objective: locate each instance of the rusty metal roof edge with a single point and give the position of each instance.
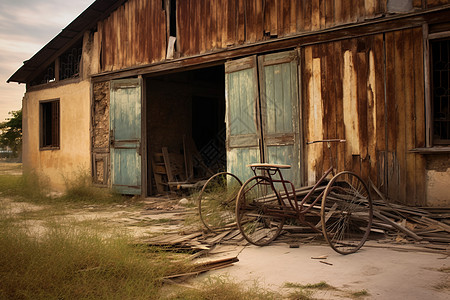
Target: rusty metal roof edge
(83, 21)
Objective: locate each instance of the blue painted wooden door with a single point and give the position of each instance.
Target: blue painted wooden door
(280, 115)
(125, 136)
(243, 127)
(263, 118)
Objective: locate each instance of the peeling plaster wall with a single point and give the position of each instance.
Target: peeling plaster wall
(438, 180)
(73, 156)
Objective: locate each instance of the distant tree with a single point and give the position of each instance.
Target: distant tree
(11, 132)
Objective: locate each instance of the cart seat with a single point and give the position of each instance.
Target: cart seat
(266, 166)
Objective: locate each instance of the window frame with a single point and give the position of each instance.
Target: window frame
(55, 117)
(428, 70)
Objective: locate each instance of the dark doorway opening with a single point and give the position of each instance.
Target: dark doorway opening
(185, 113)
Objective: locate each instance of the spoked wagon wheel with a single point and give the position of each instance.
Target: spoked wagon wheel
(259, 215)
(217, 201)
(346, 213)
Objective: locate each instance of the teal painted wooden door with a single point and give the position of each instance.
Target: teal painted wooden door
(263, 119)
(242, 117)
(280, 111)
(125, 122)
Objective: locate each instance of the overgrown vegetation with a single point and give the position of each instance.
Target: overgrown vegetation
(76, 263)
(307, 291)
(36, 189)
(80, 189)
(44, 255)
(222, 288)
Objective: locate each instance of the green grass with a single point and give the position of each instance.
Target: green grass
(359, 294)
(307, 291)
(221, 288)
(80, 189)
(319, 286)
(36, 189)
(68, 262)
(46, 254)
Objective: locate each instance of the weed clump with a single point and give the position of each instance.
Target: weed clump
(222, 288)
(81, 189)
(28, 186)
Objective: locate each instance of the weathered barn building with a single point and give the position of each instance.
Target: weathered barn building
(248, 80)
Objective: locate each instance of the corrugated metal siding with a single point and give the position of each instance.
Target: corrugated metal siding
(343, 85)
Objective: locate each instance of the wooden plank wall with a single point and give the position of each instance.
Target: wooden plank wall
(207, 25)
(343, 86)
(134, 34)
(432, 3)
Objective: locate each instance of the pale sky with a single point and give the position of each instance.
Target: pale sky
(25, 27)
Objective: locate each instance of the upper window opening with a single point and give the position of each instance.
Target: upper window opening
(48, 75)
(440, 56)
(69, 62)
(66, 66)
(173, 18)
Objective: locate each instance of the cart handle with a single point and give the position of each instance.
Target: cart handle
(326, 141)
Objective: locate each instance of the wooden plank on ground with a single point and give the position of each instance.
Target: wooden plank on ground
(397, 226)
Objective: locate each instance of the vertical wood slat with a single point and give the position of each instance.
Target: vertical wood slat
(201, 34)
(329, 13)
(391, 122)
(326, 102)
(240, 15)
(378, 112)
(400, 108)
(340, 127)
(293, 16)
(250, 21)
(315, 15)
(419, 97)
(300, 16)
(410, 126)
(212, 24)
(224, 21)
(259, 29)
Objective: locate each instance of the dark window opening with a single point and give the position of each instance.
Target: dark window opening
(68, 67)
(173, 18)
(440, 52)
(49, 124)
(48, 75)
(69, 62)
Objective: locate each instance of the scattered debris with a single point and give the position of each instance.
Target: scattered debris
(320, 257)
(183, 202)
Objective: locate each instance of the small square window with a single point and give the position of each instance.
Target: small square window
(49, 124)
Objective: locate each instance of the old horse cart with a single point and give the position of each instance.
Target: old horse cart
(341, 208)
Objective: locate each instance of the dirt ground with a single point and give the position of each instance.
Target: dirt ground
(382, 271)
